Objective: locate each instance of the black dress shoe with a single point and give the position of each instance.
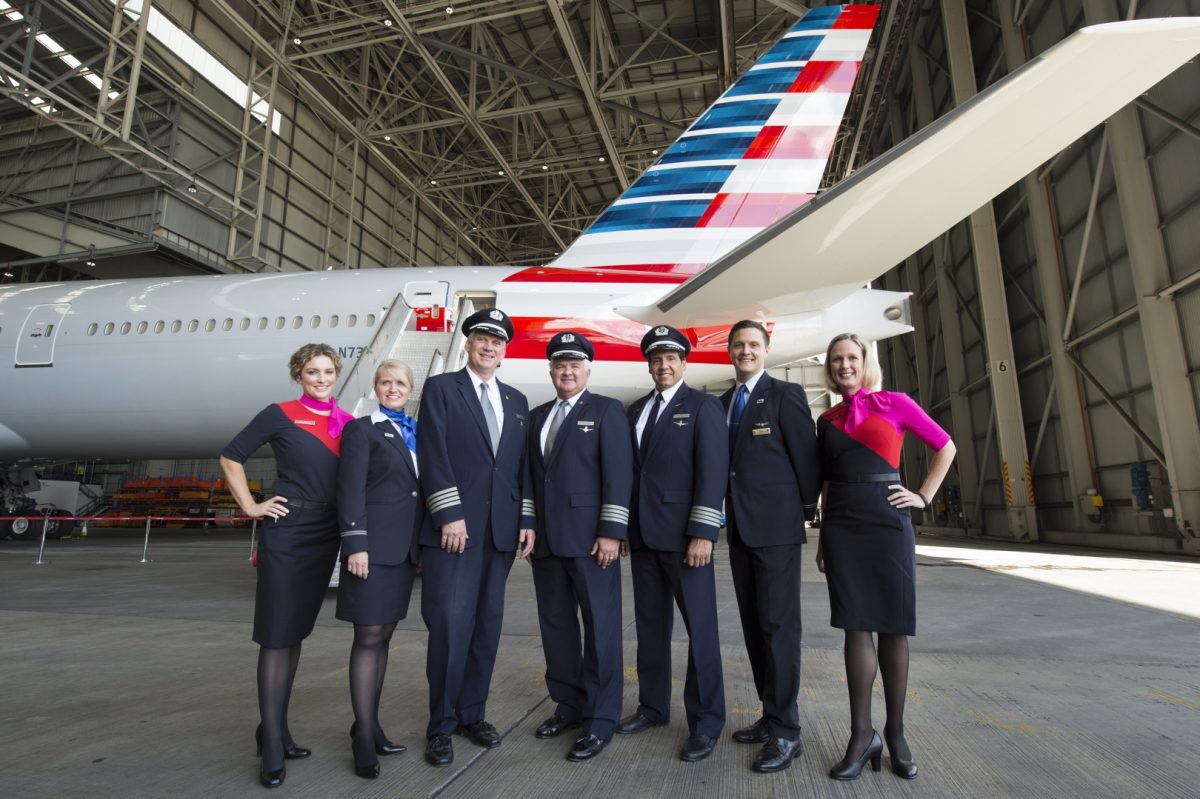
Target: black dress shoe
(637, 723)
(439, 749)
(586, 747)
(697, 747)
(757, 733)
(272, 779)
(481, 733)
(382, 745)
(778, 754)
(849, 768)
(290, 752)
(554, 726)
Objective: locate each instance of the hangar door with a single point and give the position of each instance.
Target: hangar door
(35, 347)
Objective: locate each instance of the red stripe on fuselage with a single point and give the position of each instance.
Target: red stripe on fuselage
(637, 273)
(613, 339)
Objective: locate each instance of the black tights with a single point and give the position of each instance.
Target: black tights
(368, 665)
(861, 664)
(276, 673)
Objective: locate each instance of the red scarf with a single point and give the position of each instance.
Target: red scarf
(337, 417)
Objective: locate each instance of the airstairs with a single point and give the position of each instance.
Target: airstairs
(421, 333)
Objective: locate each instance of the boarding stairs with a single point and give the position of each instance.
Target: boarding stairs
(420, 333)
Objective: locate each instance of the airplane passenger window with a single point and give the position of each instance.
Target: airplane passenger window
(297, 322)
(193, 325)
(315, 321)
(351, 320)
(159, 325)
(370, 320)
(210, 325)
(333, 320)
(176, 325)
(262, 322)
(280, 322)
(125, 326)
(142, 327)
(92, 328)
(246, 323)
(108, 329)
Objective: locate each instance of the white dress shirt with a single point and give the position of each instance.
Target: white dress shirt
(553, 411)
(380, 416)
(667, 396)
(750, 384)
(493, 396)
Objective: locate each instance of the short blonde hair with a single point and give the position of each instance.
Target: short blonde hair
(871, 372)
(395, 367)
(309, 351)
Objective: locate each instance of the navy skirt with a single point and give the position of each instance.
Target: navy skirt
(296, 556)
(382, 598)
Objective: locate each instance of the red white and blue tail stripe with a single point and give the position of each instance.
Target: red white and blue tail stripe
(754, 156)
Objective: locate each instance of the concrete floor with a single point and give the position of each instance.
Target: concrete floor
(128, 679)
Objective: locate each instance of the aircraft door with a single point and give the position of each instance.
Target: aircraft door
(35, 347)
(428, 299)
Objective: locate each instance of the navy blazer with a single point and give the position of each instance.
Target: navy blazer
(461, 477)
(775, 472)
(582, 490)
(380, 508)
(680, 484)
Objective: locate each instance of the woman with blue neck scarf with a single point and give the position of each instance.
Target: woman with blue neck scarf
(380, 514)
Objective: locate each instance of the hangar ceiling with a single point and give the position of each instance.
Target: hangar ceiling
(509, 124)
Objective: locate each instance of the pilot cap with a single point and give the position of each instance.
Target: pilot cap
(665, 337)
(570, 344)
(492, 321)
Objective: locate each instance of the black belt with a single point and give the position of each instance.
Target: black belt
(308, 504)
(883, 477)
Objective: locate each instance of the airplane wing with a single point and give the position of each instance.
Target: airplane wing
(867, 223)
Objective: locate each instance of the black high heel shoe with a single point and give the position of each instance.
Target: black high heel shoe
(272, 779)
(904, 769)
(383, 746)
(292, 752)
(849, 769)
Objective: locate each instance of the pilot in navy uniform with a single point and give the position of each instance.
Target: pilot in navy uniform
(473, 473)
(679, 484)
(774, 480)
(581, 463)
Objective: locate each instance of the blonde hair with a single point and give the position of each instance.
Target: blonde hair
(872, 374)
(395, 367)
(309, 351)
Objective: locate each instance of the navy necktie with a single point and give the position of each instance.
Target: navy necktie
(735, 416)
(651, 420)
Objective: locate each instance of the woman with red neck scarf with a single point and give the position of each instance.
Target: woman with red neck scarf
(867, 549)
(299, 542)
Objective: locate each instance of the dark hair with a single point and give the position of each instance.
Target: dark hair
(745, 323)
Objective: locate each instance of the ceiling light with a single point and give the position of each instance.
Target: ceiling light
(432, 182)
(544, 167)
(297, 40)
(192, 188)
(8, 274)
(500, 172)
(602, 159)
(654, 152)
(387, 23)
(89, 262)
(387, 138)
(449, 9)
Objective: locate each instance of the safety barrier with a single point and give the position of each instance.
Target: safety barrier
(149, 519)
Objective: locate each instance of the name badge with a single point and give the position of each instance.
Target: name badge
(761, 431)
(586, 426)
(308, 422)
(682, 416)
(760, 400)
(389, 435)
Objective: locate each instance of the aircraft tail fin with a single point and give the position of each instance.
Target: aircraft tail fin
(756, 155)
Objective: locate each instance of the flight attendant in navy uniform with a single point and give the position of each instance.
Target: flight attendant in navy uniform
(582, 472)
(381, 514)
(473, 473)
(682, 466)
(298, 547)
(774, 480)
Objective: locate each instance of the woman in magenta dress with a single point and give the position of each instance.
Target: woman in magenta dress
(867, 549)
(299, 542)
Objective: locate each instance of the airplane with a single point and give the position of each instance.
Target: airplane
(723, 226)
